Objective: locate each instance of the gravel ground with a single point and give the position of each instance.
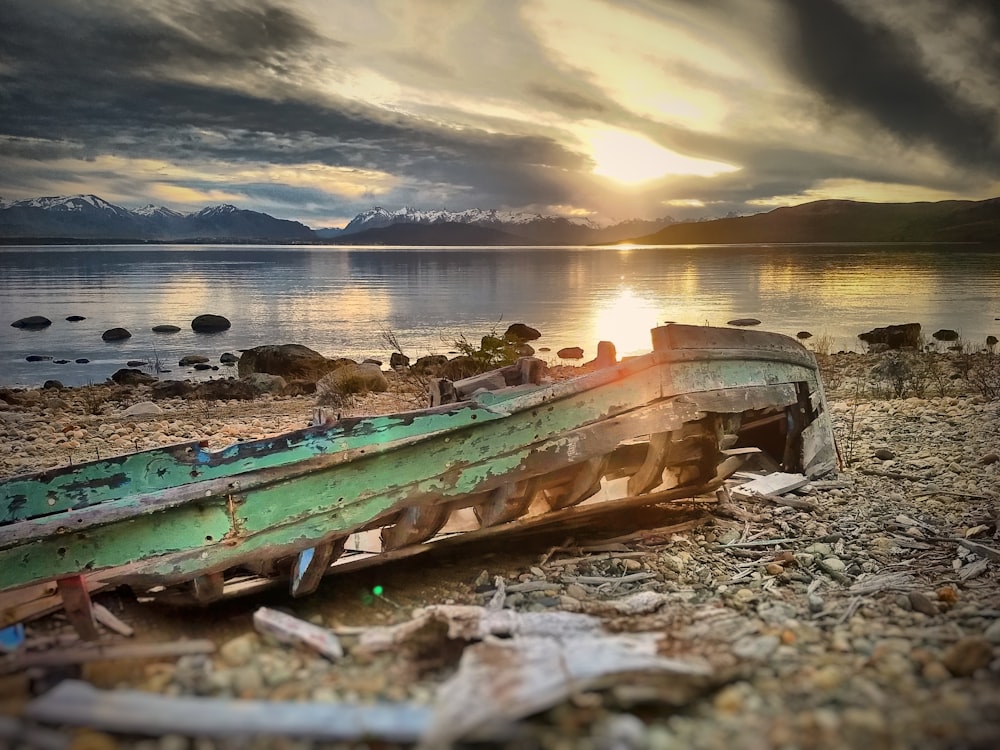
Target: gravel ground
(875, 622)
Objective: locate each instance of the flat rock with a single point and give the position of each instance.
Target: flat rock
(165, 328)
(192, 359)
(142, 408)
(743, 322)
(570, 352)
(75, 318)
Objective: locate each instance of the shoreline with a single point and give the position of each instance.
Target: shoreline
(870, 625)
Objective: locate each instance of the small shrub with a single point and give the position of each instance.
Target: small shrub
(984, 375)
(338, 387)
(892, 374)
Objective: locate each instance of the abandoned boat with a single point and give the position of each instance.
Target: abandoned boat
(494, 449)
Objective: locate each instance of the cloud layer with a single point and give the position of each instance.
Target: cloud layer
(316, 110)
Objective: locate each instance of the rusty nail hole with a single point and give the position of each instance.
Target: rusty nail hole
(474, 416)
(209, 538)
(51, 498)
(61, 553)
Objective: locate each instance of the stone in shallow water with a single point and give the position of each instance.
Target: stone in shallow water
(166, 329)
(116, 334)
(743, 322)
(32, 323)
(210, 323)
(75, 318)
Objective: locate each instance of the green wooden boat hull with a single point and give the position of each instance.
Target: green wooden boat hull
(673, 421)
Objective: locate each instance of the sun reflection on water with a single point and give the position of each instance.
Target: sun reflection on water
(626, 319)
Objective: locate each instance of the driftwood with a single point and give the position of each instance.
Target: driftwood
(76, 703)
(83, 654)
(288, 629)
(501, 681)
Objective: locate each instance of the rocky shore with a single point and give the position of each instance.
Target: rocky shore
(864, 613)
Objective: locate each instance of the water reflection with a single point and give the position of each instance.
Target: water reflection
(337, 300)
(625, 320)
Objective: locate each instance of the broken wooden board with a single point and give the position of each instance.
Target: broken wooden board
(499, 682)
(292, 630)
(771, 484)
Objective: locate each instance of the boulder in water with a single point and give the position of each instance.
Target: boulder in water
(904, 335)
(116, 334)
(570, 352)
(521, 332)
(32, 323)
(210, 324)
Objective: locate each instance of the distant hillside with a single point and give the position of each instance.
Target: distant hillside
(845, 221)
(446, 233)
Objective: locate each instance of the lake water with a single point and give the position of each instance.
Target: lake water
(337, 300)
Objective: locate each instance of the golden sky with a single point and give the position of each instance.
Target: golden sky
(318, 109)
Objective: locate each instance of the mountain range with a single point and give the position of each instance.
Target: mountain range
(88, 218)
(845, 221)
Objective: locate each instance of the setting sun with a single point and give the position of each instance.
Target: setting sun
(630, 158)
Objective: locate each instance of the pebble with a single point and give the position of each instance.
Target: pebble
(238, 651)
(967, 655)
(922, 603)
(992, 633)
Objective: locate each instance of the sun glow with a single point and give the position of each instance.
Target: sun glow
(631, 159)
(626, 320)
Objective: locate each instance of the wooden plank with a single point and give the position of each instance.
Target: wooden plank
(98, 652)
(76, 603)
(312, 564)
(772, 484)
(207, 588)
(29, 602)
(109, 620)
(649, 474)
(289, 629)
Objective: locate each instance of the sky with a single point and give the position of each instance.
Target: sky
(316, 110)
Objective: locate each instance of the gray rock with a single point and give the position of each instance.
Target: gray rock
(228, 358)
(884, 454)
(743, 322)
(192, 359)
(210, 324)
(238, 651)
(116, 334)
(922, 603)
(521, 332)
(992, 633)
(758, 647)
(166, 329)
(32, 323)
(130, 376)
(75, 318)
(142, 408)
(263, 382)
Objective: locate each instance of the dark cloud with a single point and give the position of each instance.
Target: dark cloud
(115, 91)
(860, 66)
(568, 100)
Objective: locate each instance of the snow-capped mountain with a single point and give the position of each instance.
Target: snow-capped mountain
(377, 217)
(151, 211)
(91, 217)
